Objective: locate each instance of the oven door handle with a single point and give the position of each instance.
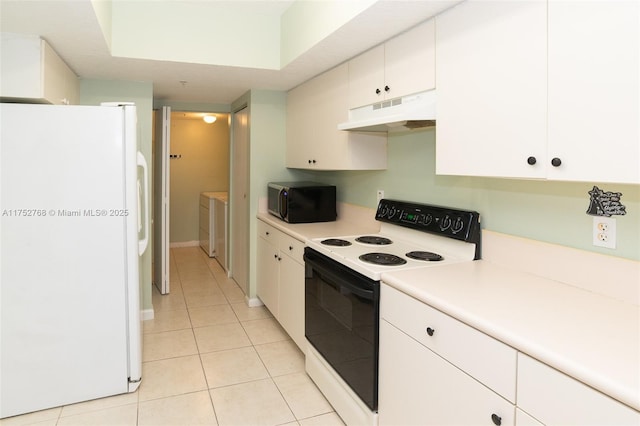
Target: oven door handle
(336, 281)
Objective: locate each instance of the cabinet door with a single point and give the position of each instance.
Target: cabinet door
(268, 274)
(366, 78)
(410, 61)
(60, 84)
(593, 90)
(557, 399)
(491, 72)
(523, 419)
(417, 387)
(314, 110)
(291, 302)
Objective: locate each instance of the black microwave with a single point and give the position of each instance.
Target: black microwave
(302, 202)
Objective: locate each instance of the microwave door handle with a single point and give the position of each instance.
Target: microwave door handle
(282, 204)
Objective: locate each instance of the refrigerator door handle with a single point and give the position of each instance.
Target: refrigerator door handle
(144, 242)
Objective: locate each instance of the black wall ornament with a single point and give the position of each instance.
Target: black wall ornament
(605, 203)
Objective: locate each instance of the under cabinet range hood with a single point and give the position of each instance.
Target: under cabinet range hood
(399, 114)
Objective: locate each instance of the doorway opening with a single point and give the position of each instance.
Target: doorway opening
(191, 156)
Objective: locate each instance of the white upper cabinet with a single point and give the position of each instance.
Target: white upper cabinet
(33, 72)
(401, 66)
(314, 110)
(593, 90)
(537, 89)
(491, 72)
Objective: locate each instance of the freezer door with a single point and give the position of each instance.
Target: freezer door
(64, 260)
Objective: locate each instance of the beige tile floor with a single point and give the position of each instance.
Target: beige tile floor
(208, 359)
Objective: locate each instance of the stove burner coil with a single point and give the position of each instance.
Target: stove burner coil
(373, 239)
(336, 242)
(424, 255)
(382, 259)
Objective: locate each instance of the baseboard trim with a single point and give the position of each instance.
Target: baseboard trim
(253, 302)
(147, 314)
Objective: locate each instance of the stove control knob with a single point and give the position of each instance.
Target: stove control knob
(427, 219)
(383, 210)
(445, 223)
(458, 225)
(392, 212)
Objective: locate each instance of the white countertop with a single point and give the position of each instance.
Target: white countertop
(591, 337)
(303, 231)
(219, 195)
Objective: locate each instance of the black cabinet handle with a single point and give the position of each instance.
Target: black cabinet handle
(496, 419)
(267, 232)
(275, 256)
(531, 161)
(377, 91)
(555, 162)
(387, 88)
(290, 247)
(430, 331)
(312, 161)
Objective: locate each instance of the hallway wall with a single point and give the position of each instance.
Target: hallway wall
(203, 166)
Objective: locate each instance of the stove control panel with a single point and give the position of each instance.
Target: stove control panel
(462, 225)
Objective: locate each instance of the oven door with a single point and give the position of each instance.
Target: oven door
(341, 322)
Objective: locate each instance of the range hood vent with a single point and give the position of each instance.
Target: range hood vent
(399, 114)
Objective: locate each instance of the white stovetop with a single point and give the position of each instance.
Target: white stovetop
(451, 251)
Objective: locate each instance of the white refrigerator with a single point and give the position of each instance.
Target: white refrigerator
(74, 223)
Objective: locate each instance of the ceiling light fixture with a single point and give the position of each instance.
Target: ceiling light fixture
(209, 119)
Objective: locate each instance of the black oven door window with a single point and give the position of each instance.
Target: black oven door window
(341, 322)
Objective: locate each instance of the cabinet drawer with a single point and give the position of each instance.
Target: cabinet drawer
(555, 398)
(484, 358)
(268, 232)
(418, 387)
(292, 247)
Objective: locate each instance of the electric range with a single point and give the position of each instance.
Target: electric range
(342, 294)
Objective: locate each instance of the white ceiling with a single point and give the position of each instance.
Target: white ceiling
(71, 27)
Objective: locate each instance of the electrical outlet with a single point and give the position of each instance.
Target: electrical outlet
(604, 232)
(379, 195)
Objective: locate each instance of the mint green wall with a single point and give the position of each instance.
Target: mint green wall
(93, 92)
(548, 211)
(267, 134)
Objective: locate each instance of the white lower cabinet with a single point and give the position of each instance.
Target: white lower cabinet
(524, 419)
(436, 370)
(419, 385)
(280, 283)
(554, 398)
